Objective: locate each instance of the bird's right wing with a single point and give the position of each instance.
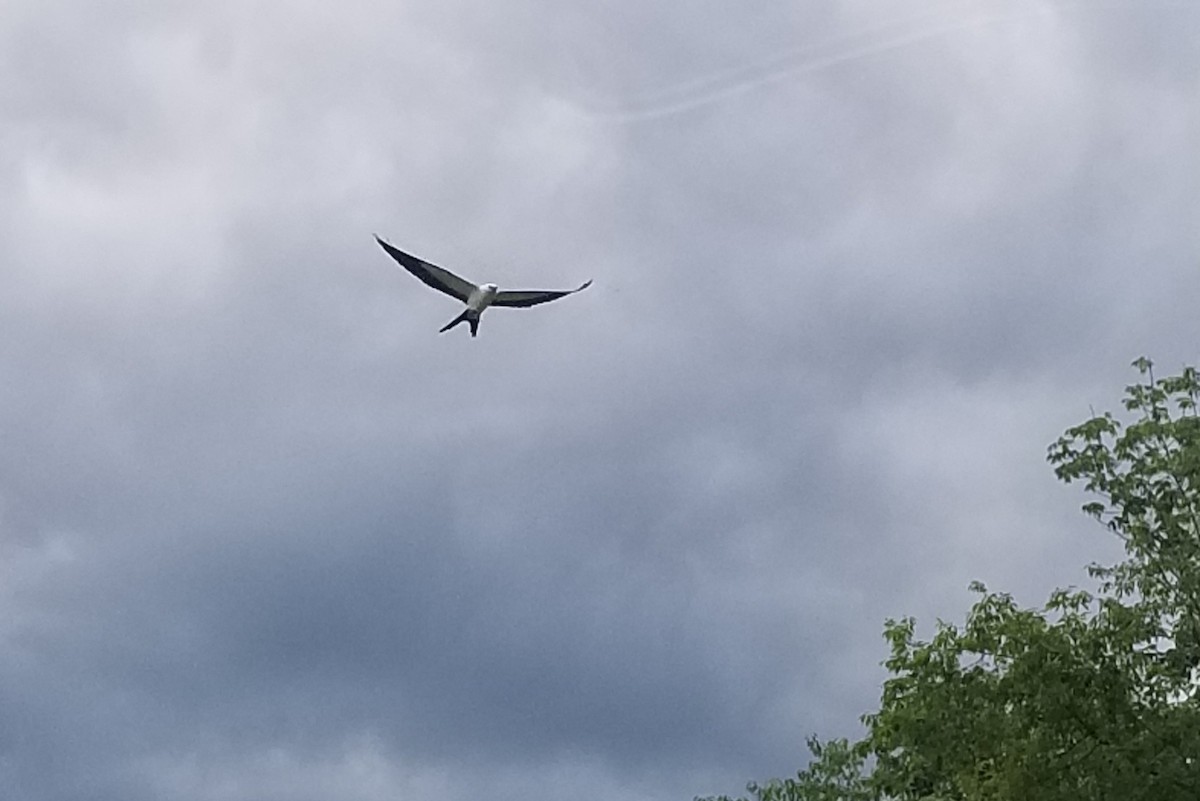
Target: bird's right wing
(532, 297)
(436, 277)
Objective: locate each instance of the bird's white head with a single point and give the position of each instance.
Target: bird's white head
(489, 288)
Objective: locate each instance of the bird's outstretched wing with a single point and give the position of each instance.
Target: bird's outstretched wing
(532, 297)
(436, 277)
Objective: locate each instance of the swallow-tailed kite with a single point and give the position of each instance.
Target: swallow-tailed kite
(478, 297)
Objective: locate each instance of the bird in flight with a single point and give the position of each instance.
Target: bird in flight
(477, 297)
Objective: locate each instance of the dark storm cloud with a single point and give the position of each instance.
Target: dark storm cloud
(265, 534)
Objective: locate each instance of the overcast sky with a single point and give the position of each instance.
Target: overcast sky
(265, 534)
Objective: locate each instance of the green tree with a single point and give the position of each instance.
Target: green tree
(1092, 696)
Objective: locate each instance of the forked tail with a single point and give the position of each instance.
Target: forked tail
(466, 317)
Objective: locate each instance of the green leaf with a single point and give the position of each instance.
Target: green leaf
(1092, 696)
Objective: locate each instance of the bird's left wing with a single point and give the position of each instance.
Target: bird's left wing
(532, 297)
(436, 277)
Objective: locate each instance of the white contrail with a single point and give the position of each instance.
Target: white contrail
(799, 61)
(787, 64)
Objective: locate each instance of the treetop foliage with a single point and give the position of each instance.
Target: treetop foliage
(1092, 696)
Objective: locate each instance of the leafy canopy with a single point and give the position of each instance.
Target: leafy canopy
(1092, 696)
